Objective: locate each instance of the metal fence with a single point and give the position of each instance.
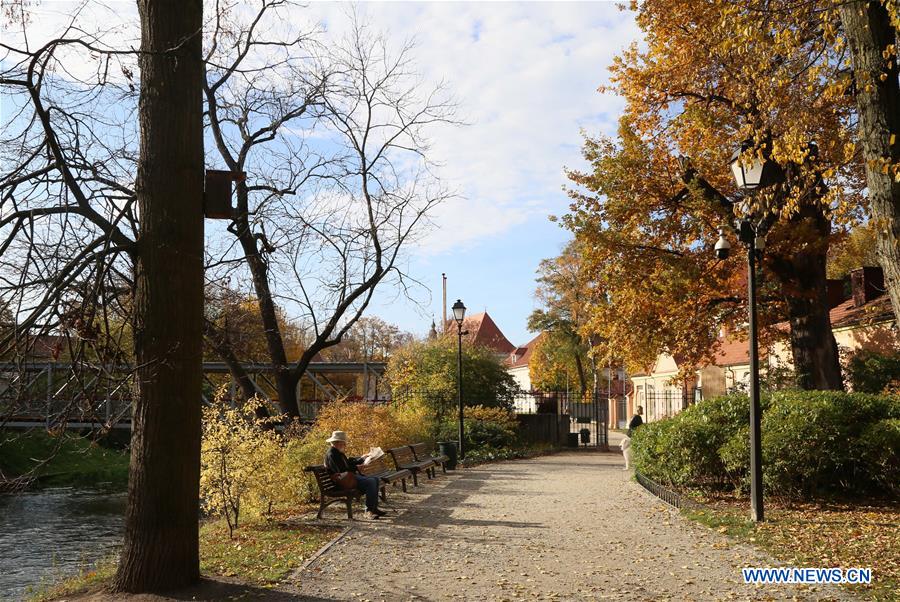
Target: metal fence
(670, 497)
(665, 403)
(588, 414)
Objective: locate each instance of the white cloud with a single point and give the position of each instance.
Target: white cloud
(526, 78)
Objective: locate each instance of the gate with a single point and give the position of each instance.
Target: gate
(588, 416)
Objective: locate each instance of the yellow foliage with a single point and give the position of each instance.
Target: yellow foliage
(366, 425)
(241, 462)
(501, 416)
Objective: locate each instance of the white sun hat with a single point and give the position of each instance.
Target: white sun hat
(337, 436)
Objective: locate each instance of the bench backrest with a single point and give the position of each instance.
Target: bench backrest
(323, 479)
(375, 467)
(420, 450)
(402, 455)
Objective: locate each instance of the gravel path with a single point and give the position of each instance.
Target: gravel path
(571, 526)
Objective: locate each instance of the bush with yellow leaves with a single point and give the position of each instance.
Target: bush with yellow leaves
(242, 468)
(366, 425)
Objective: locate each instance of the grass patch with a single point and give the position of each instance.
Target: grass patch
(73, 460)
(88, 579)
(261, 553)
(827, 534)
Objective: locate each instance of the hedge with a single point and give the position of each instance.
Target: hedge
(813, 442)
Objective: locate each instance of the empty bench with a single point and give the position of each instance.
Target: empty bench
(420, 451)
(385, 474)
(405, 459)
(329, 489)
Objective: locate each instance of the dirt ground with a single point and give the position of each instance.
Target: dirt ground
(571, 526)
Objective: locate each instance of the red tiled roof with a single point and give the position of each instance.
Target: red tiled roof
(734, 352)
(847, 314)
(522, 355)
(484, 332)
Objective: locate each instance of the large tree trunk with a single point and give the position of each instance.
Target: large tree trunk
(161, 520)
(869, 31)
(800, 270)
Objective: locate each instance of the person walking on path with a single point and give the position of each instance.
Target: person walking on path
(338, 463)
(636, 421)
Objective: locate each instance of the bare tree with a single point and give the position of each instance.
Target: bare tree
(67, 212)
(338, 179)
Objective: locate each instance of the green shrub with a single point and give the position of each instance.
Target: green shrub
(879, 454)
(651, 446)
(872, 372)
(684, 450)
(484, 428)
(813, 442)
(735, 456)
(806, 442)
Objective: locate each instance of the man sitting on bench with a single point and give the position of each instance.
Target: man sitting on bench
(338, 464)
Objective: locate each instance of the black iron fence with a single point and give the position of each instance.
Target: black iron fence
(665, 403)
(588, 414)
(670, 497)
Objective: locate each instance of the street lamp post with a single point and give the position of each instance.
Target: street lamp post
(757, 173)
(459, 312)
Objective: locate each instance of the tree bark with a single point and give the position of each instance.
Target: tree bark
(869, 32)
(804, 286)
(161, 520)
(579, 368)
(259, 270)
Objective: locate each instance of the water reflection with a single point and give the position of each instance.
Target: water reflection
(52, 532)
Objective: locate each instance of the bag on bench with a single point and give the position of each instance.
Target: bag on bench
(344, 480)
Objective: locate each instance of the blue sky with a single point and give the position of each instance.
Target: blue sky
(526, 78)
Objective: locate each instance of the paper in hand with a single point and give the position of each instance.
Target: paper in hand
(374, 454)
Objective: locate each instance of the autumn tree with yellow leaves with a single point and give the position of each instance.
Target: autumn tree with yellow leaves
(648, 210)
(860, 38)
(561, 356)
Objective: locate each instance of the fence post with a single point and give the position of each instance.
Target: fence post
(49, 393)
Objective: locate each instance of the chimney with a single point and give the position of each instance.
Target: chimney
(444, 325)
(866, 283)
(835, 292)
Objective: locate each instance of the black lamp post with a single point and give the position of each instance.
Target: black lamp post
(755, 174)
(459, 312)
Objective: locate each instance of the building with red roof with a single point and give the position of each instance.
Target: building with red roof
(483, 332)
(518, 360)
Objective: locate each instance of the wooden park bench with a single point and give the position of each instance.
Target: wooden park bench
(405, 459)
(420, 451)
(383, 472)
(329, 489)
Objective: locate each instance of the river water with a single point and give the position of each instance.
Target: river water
(52, 533)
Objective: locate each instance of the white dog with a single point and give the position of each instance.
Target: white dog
(626, 451)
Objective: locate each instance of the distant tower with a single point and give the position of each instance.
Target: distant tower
(432, 334)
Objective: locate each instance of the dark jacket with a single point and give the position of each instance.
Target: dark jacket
(336, 461)
(636, 421)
